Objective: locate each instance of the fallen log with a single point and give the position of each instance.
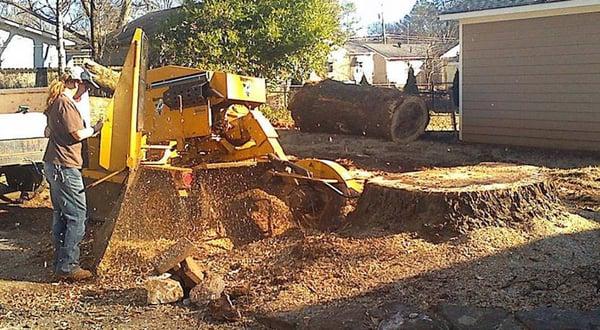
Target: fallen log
(103, 76)
(334, 107)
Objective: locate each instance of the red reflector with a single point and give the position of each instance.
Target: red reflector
(187, 179)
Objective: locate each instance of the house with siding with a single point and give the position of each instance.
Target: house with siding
(351, 63)
(392, 61)
(530, 72)
(25, 47)
(450, 61)
(378, 63)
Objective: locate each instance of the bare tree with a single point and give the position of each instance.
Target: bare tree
(92, 21)
(60, 43)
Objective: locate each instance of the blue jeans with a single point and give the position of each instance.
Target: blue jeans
(68, 217)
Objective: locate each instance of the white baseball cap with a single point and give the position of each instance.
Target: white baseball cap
(79, 73)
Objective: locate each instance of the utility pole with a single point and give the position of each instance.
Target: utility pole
(383, 33)
(60, 45)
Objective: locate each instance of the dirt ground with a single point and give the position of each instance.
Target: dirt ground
(324, 279)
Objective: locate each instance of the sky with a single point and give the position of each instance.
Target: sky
(368, 10)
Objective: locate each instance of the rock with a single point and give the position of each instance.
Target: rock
(208, 290)
(397, 316)
(192, 270)
(163, 290)
(464, 317)
(239, 290)
(173, 256)
(223, 309)
(553, 318)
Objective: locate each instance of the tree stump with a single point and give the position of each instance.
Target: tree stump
(334, 107)
(446, 202)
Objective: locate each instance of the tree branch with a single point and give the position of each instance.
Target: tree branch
(37, 13)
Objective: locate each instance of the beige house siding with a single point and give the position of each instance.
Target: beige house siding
(533, 82)
(379, 69)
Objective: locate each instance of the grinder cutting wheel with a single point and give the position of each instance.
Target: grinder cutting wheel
(178, 143)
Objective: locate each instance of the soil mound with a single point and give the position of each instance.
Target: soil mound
(446, 202)
(254, 215)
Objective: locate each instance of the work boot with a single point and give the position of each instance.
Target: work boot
(77, 275)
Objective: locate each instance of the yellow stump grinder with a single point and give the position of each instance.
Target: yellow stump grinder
(177, 146)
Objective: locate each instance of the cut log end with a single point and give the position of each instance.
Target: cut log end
(409, 121)
(444, 203)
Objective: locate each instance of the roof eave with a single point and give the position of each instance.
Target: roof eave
(406, 58)
(500, 12)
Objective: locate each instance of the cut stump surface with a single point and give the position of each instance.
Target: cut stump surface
(445, 202)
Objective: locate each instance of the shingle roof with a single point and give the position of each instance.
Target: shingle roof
(400, 50)
(477, 5)
(355, 48)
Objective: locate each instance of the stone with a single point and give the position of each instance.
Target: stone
(208, 290)
(554, 318)
(173, 256)
(192, 270)
(163, 290)
(404, 317)
(467, 317)
(240, 290)
(222, 309)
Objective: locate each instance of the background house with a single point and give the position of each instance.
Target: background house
(392, 61)
(351, 63)
(450, 62)
(25, 47)
(530, 73)
(379, 64)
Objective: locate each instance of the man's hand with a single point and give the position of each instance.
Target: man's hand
(98, 127)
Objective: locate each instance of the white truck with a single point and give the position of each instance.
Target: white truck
(22, 141)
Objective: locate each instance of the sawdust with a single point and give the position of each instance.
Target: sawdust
(308, 274)
(287, 273)
(224, 204)
(580, 187)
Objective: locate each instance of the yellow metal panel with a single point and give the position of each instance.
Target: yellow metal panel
(326, 169)
(172, 124)
(120, 144)
(218, 82)
(248, 89)
(240, 88)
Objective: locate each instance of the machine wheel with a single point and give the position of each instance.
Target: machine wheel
(317, 206)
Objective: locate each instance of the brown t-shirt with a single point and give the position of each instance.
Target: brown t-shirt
(62, 120)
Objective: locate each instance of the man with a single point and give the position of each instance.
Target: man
(82, 98)
(62, 165)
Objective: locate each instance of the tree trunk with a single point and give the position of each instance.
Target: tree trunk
(124, 14)
(447, 202)
(60, 45)
(335, 107)
(105, 77)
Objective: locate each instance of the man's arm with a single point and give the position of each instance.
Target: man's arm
(82, 134)
(88, 132)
